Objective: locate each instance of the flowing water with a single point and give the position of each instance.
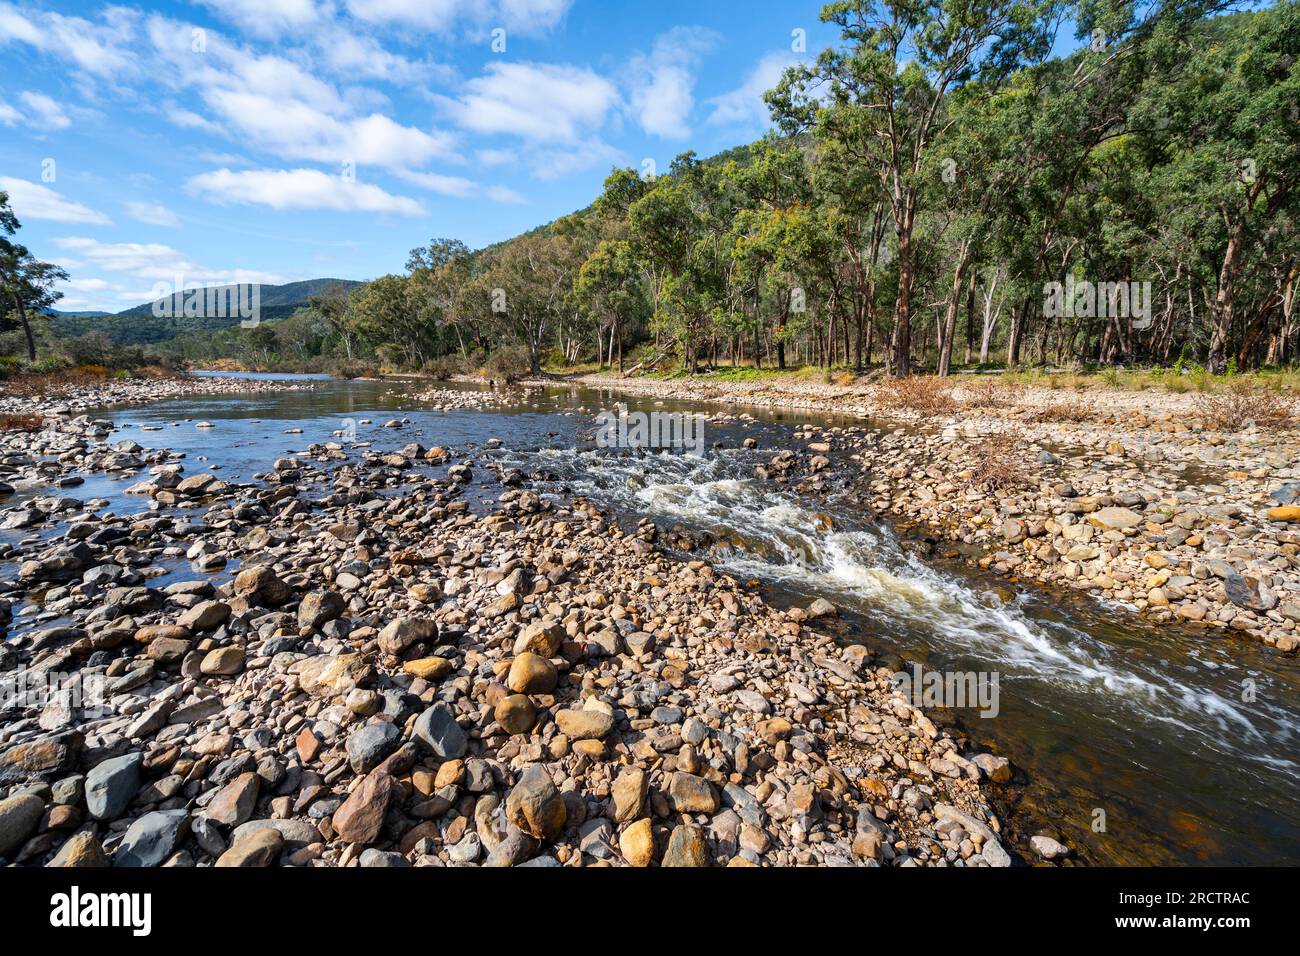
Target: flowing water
(1134, 743)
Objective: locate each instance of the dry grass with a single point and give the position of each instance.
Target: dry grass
(22, 423)
(1072, 412)
(999, 464)
(990, 393)
(1239, 405)
(926, 394)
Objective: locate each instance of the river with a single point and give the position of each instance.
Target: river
(1134, 744)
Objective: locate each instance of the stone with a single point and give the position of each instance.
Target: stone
(223, 661)
(821, 608)
(1115, 519)
(112, 785)
(516, 714)
(81, 851)
(361, 816)
(234, 803)
(205, 616)
(318, 608)
(1249, 593)
(437, 729)
(368, 746)
(584, 724)
(994, 854)
(637, 843)
(297, 833)
(773, 730)
(535, 807)
(629, 792)
(428, 668)
(1048, 848)
(327, 676)
(20, 815)
(686, 847)
(692, 794)
(1285, 513)
(405, 632)
(540, 638)
(168, 651)
(151, 839)
(258, 848)
(997, 769)
(532, 674)
(261, 585)
(373, 858)
(514, 850)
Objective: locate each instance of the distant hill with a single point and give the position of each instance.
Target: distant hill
(139, 325)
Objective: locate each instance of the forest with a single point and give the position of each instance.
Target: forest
(938, 190)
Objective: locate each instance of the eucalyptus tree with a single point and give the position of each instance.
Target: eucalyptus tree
(25, 282)
(1234, 134)
(609, 284)
(881, 94)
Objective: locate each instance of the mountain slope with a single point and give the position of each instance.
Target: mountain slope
(139, 325)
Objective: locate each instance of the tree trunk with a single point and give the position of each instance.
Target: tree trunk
(27, 327)
(903, 309)
(949, 328)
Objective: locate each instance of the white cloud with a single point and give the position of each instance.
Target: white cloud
(8, 115)
(85, 285)
(33, 201)
(663, 82)
(152, 214)
(433, 15)
(356, 55)
(459, 187)
(441, 16)
(45, 111)
(533, 16)
(300, 189)
(744, 105)
(266, 18)
(154, 261)
(275, 105)
(102, 49)
(534, 101)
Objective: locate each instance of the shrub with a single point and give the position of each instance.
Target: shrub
(925, 394)
(508, 364)
(354, 369)
(442, 369)
(22, 423)
(1075, 412)
(986, 393)
(1239, 405)
(999, 464)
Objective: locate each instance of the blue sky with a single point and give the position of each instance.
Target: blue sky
(276, 140)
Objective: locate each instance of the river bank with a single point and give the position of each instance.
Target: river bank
(340, 662)
(1132, 497)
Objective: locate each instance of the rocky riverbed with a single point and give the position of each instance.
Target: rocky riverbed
(340, 662)
(1142, 503)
